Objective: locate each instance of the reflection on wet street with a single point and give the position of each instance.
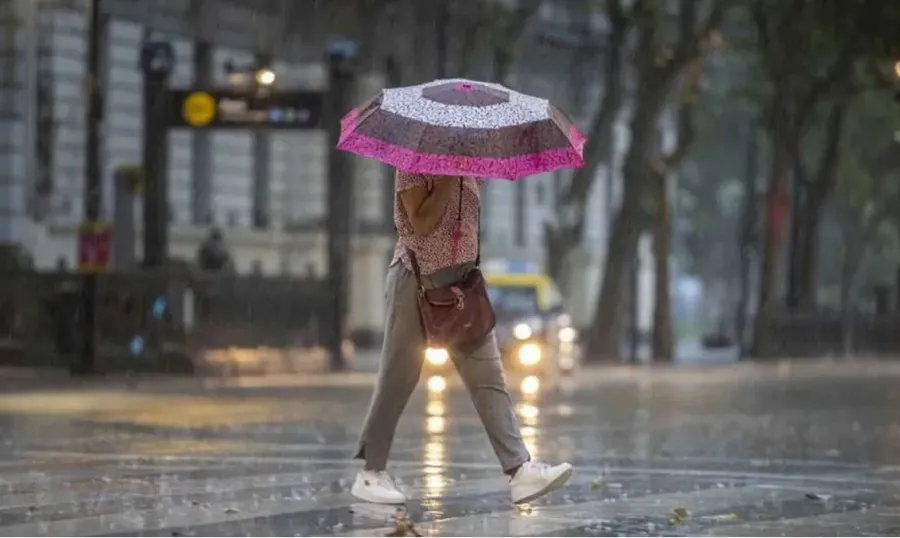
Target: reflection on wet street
(740, 450)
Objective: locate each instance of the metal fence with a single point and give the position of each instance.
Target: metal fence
(172, 323)
(817, 334)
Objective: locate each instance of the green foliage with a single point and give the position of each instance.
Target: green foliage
(865, 188)
(793, 59)
(710, 189)
(867, 195)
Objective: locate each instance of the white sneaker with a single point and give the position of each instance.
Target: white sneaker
(534, 480)
(376, 487)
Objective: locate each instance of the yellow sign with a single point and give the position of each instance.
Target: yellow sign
(198, 109)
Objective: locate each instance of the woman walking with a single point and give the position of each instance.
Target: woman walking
(437, 223)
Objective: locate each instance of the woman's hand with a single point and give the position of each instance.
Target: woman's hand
(426, 205)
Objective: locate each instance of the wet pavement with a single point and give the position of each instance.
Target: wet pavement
(787, 449)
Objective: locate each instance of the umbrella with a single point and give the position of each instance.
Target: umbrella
(463, 127)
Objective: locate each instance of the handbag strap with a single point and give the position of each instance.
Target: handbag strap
(412, 255)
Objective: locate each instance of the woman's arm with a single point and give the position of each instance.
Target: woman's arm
(425, 206)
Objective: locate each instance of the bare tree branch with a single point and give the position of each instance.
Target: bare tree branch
(838, 74)
(600, 131)
(827, 172)
(777, 62)
(471, 28)
(686, 130)
(523, 13)
(691, 43)
(569, 230)
(507, 33)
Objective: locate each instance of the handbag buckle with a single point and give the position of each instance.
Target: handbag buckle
(460, 297)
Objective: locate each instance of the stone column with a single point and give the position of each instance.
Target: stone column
(18, 118)
(369, 184)
(125, 235)
(373, 228)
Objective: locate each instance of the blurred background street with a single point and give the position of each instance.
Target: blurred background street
(741, 450)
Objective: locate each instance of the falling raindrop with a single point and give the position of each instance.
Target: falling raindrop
(137, 345)
(159, 307)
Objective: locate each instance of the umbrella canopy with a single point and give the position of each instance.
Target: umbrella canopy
(463, 127)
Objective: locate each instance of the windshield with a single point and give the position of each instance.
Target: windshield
(510, 301)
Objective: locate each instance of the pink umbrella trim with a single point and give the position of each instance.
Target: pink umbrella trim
(502, 168)
(577, 139)
(348, 123)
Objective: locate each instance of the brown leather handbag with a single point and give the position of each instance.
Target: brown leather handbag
(457, 316)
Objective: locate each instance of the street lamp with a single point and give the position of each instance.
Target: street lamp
(897, 83)
(242, 76)
(265, 77)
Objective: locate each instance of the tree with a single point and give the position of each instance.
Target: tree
(506, 27)
(868, 193)
(807, 52)
(568, 232)
(662, 337)
(717, 195)
(658, 65)
(810, 192)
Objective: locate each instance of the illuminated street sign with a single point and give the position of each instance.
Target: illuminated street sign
(236, 109)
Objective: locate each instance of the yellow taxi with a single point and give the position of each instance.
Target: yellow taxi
(534, 331)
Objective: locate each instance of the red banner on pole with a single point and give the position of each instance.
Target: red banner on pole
(94, 246)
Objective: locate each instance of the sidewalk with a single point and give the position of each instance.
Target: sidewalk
(364, 374)
(33, 379)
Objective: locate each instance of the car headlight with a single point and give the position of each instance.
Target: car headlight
(567, 334)
(530, 385)
(529, 354)
(522, 331)
(437, 355)
(437, 384)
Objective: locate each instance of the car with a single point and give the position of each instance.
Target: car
(534, 331)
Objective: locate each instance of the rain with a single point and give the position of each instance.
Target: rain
(449, 268)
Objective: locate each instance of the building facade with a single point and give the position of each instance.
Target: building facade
(266, 191)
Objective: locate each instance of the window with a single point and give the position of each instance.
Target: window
(514, 301)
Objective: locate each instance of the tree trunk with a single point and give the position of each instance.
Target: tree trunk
(603, 342)
(662, 309)
(811, 195)
(747, 238)
(772, 242)
(632, 309)
(559, 244)
(807, 255)
(849, 269)
(567, 233)
(799, 193)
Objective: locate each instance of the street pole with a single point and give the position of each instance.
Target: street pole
(157, 60)
(340, 200)
(262, 156)
(93, 187)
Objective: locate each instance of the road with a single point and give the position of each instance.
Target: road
(728, 450)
